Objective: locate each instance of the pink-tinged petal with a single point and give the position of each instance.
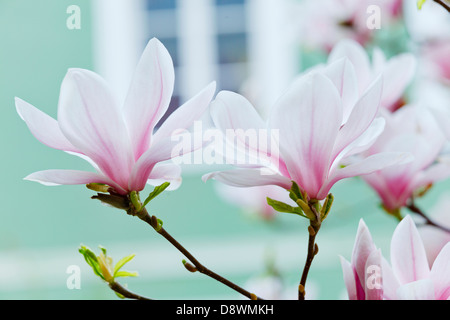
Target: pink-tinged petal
(408, 256)
(243, 129)
(92, 122)
(349, 278)
(308, 117)
(167, 172)
(360, 118)
(71, 177)
(374, 276)
(362, 249)
(368, 165)
(436, 172)
(358, 57)
(149, 94)
(397, 74)
(440, 274)
(249, 178)
(160, 151)
(43, 127)
(342, 73)
(184, 116)
(417, 290)
(390, 282)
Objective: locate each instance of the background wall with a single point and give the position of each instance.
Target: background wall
(42, 227)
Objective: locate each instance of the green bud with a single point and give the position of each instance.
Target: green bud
(326, 206)
(98, 187)
(113, 200)
(136, 201)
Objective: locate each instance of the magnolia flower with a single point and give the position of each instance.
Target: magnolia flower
(120, 142)
(414, 130)
(408, 277)
(321, 121)
(436, 61)
(324, 23)
(397, 72)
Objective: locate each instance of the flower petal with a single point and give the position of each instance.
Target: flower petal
(308, 117)
(349, 278)
(149, 94)
(71, 177)
(184, 116)
(167, 172)
(440, 274)
(358, 57)
(249, 178)
(368, 165)
(43, 127)
(417, 290)
(362, 249)
(408, 257)
(92, 122)
(374, 276)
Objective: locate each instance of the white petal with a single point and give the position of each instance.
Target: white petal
(43, 127)
(91, 120)
(149, 94)
(408, 257)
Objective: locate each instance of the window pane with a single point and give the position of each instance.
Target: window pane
(161, 4)
(225, 2)
(232, 48)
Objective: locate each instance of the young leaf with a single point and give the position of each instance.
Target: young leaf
(122, 262)
(156, 192)
(284, 207)
(126, 274)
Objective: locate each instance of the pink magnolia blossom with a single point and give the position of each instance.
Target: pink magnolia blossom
(435, 56)
(370, 277)
(398, 71)
(414, 130)
(321, 121)
(324, 23)
(119, 142)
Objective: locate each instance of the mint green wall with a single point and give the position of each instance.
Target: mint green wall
(36, 49)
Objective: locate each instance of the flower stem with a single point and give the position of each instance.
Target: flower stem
(153, 222)
(116, 287)
(313, 249)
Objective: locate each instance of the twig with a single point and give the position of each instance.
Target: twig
(313, 249)
(443, 5)
(153, 222)
(411, 206)
(124, 292)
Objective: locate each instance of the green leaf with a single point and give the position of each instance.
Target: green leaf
(126, 274)
(156, 192)
(122, 262)
(119, 295)
(284, 207)
(294, 192)
(327, 206)
(420, 4)
(91, 260)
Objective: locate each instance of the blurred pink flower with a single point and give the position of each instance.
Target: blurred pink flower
(321, 121)
(398, 71)
(369, 275)
(119, 142)
(436, 60)
(324, 23)
(410, 129)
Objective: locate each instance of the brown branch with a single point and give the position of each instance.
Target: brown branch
(116, 287)
(443, 5)
(413, 208)
(153, 222)
(313, 249)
